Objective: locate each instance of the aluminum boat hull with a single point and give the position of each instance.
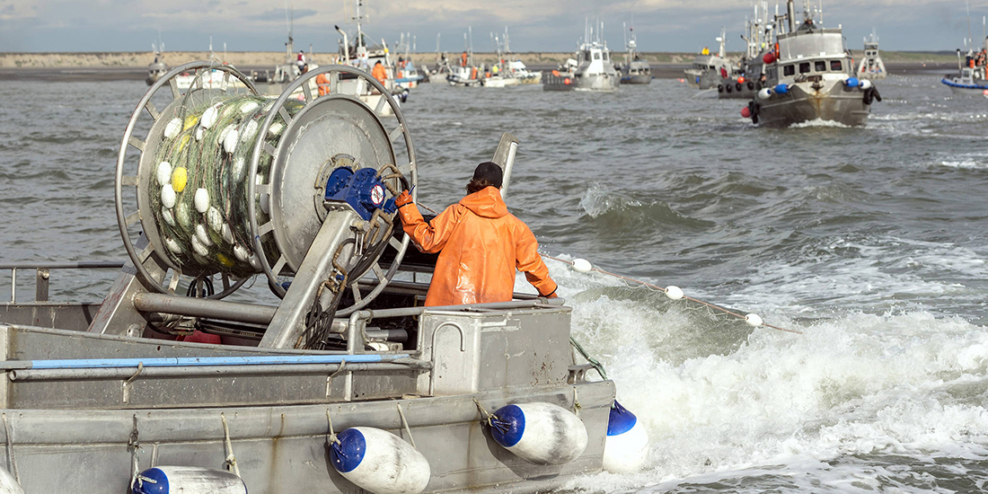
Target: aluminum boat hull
(804, 104)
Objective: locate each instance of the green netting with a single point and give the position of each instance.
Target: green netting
(207, 229)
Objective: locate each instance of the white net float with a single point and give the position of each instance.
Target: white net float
(582, 266)
(674, 292)
(753, 320)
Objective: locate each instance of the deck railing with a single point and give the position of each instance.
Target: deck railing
(42, 273)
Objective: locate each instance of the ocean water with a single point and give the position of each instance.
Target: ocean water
(869, 241)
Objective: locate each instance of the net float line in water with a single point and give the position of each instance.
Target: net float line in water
(199, 191)
(673, 292)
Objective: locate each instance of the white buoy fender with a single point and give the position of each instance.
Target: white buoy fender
(380, 462)
(764, 93)
(187, 480)
(8, 484)
(626, 446)
(540, 433)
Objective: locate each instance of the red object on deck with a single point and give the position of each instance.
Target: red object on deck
(745, 112)
(200, 337)
(768, 57)
(566, 81)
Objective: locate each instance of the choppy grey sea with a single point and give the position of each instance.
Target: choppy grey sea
(870, 241)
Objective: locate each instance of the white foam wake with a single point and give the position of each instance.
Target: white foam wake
(723, 401)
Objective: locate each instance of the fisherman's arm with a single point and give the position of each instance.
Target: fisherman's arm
(429, 237)
(528, 261)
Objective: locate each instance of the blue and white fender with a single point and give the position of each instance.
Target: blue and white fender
(379, 461)
(540, 433)
(187, 480)
(8, 484)
(626, 446)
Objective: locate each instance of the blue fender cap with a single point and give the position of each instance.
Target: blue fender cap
(508, 425)
(151, 481)
(349, 452)
(781, 89)
(620, 420)
(852, 82)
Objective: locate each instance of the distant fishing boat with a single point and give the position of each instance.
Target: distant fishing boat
(465, 73)
(970, 79)
(809, 78)
(499, 75)
(158, 67)
(871, 66)
(707, 70)
(749, 79)
(406, 74)
(635, 69)
(592, 70)
(521, 72)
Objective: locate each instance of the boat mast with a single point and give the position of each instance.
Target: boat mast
(791, 13)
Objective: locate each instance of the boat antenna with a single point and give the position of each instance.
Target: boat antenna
(970, 41)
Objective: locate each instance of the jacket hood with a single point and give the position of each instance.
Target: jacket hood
(486, 203)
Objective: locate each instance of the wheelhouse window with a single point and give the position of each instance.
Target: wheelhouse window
(789, 70)
(836, 66)
(820, 66)
(596, 56)
(606, 57)
(804, 68)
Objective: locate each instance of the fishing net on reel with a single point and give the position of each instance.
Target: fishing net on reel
(199, 195)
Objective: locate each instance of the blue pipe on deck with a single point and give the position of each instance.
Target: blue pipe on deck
(116, 363)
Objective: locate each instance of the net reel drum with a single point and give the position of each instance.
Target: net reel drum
(231, 185)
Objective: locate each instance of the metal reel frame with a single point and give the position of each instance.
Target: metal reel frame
(125, 220)
(254, 191)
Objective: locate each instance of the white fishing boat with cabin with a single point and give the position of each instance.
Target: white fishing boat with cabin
(810, 77)
(592, 70)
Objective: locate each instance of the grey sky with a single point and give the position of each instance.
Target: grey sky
(260, 25)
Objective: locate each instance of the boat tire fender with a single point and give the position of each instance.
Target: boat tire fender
(871, 94)
(626, 444)
(189, 480)
(729, 88)
(720, 88)
(737, 85)
(8, 484)
(540, 433)
(379, 461)
(751, 85)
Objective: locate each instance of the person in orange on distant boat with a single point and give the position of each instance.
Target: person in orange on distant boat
(463, 59)
(322, 83)
(379, 73)
(480, 245)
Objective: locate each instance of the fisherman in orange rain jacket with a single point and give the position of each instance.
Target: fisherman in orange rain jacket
(379, 73)
(480, 244)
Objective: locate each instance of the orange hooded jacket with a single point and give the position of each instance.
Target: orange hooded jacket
(480, 245)
(379, 73)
